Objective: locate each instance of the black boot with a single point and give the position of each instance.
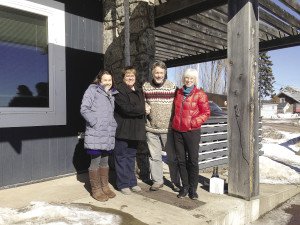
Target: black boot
(183, 192)
(193, 194)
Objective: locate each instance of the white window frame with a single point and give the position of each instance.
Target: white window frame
(55, 114)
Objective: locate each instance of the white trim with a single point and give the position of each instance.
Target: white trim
(56, 113)
(56, 17)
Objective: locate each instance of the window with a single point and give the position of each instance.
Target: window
(32, 63)
(24, 59)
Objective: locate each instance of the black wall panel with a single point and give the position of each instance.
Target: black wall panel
(29, 154)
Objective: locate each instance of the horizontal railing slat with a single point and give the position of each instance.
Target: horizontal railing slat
(213, 137)
(212, 163)
(214, 129)
(213, 149)
(213, 146)
(213, 154)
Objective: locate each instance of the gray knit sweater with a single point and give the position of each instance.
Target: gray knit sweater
(160, 99)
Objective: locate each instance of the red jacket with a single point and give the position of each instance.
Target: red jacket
(190, 112)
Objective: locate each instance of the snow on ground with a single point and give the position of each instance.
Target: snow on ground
(279, 164)
(282, 116)
(48, 214)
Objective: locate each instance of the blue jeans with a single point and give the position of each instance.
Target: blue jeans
(125, 153)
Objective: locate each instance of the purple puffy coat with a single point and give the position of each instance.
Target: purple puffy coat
(97, 108)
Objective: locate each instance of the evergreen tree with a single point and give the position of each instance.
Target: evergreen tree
(266, 77)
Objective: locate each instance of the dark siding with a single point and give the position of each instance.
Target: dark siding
(29, 154)
(91, 9)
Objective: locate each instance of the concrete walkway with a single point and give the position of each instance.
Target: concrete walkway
(147, 209)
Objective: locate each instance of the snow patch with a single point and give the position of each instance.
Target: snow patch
(43, 213)
(279, 163)
(272, 172)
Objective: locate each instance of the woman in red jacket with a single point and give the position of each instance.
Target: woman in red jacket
(191, 111)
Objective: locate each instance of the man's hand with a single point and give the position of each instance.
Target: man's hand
(147, 109)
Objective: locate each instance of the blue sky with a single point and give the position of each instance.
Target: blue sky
(286, 67)
(286, 62)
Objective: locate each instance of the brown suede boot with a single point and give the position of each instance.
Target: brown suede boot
(97, 192)
(103, 172)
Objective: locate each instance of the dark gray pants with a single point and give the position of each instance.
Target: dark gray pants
(97, 161)
(187, 152)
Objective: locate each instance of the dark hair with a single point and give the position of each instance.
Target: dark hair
(99, 76)
(129, 69)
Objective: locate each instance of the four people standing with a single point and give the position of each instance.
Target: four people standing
(159, 96)
(118, 119)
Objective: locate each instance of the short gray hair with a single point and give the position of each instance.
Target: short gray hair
(160, 64)
(190, 72)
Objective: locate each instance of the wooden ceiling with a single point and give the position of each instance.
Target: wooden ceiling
(193, 31)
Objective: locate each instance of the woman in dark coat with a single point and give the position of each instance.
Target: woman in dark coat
(130, 117)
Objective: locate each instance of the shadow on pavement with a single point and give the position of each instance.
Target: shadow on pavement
(169, 198)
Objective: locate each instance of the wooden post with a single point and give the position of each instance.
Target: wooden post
(126, 33)
(242, 98)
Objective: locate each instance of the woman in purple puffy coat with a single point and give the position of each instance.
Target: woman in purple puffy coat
(97, 108)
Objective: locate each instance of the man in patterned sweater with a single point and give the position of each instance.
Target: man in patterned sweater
(159, 95)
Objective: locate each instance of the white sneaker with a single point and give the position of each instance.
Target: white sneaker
(136, 189)
(126, 191)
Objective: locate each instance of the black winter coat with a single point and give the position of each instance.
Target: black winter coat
(130, 113)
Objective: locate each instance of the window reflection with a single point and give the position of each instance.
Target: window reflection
(23, 59)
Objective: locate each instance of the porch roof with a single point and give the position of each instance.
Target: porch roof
(193, 31)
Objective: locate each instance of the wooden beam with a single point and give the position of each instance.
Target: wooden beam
(188, 43)
(216, 16)
(199, 36)
(274, 44)
(192, 37)
(165, 55)
(210, 23)
(160, 58)
(179, 45)
(273, 21)
(269, 30)
(203, 28)
(263, 36)
(266, 17)
(222, 9)
(204, 57)
(172, 53)
(243, 114)
(280, 43)
(159, 55)
(164, 45)
(280, 13)
(178, 9)
(292, 4)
